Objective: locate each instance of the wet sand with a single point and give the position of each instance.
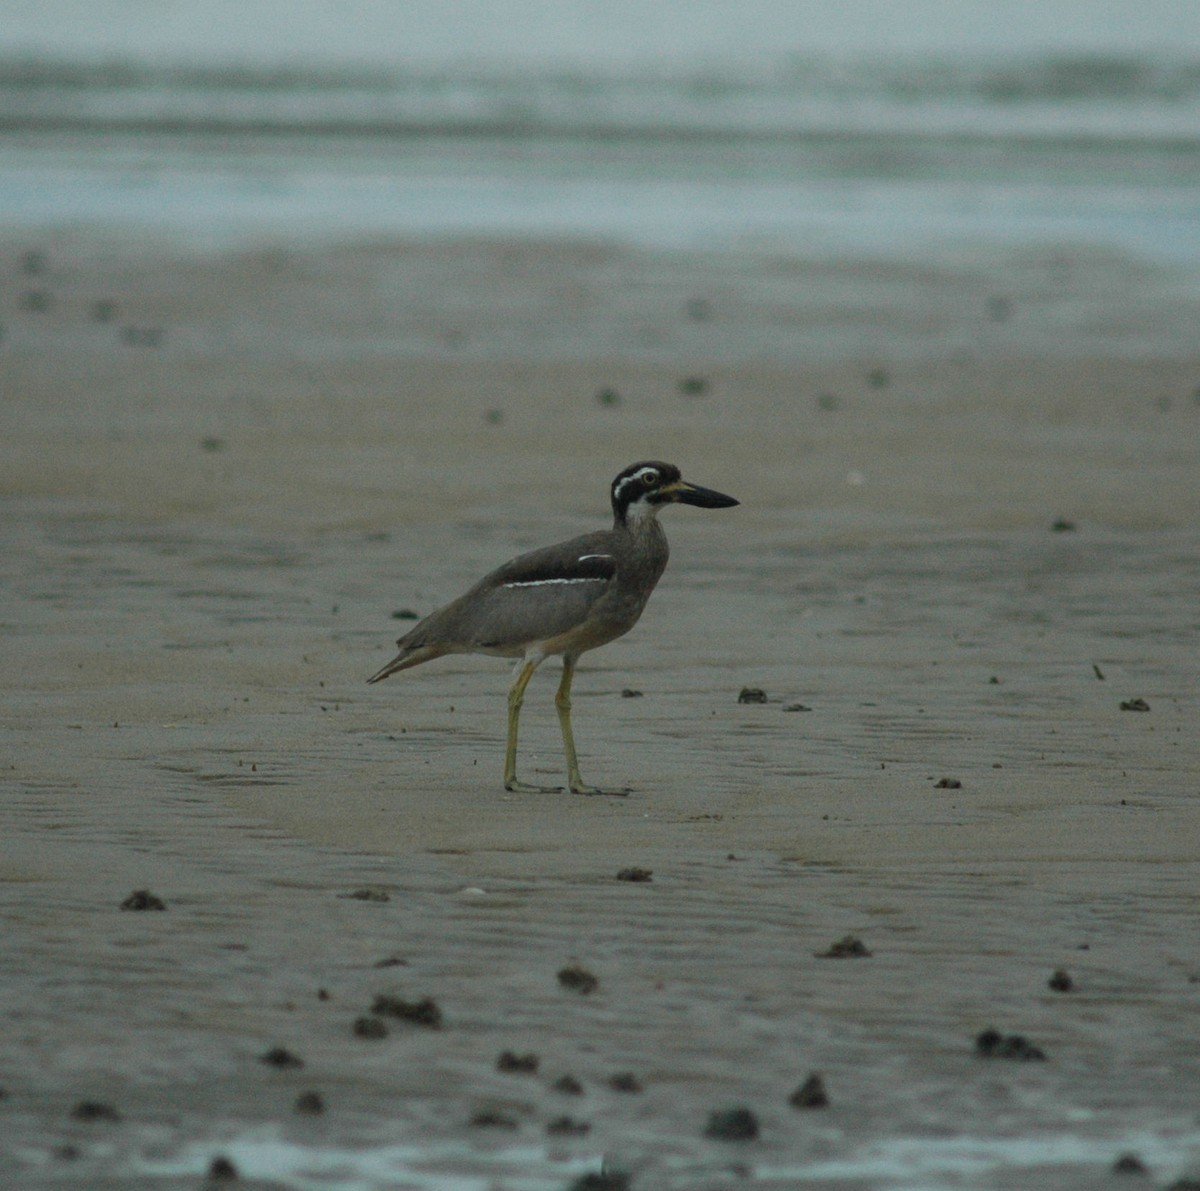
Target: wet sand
(968, 536)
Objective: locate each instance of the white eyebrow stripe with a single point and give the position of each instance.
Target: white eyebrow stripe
(585, 557)
(636, 478)
(544, 582)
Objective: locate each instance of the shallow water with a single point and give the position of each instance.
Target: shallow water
(1070, 1159)
(818, 137)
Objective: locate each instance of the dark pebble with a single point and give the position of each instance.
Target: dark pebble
(948, 783)
(797, 707)
(567, 1127)
(1063, 525)
(369, 1027)
(635, 874)
(847, 947)
(405, 614)
(1129, 1164)
(36, 301)
(810, 1094)
(143, 336)
(309, 1104)
(517, 1064)
(752, 694)
(732, 1124)
(999, 308)
(608, 397)
(1135, 705)
(991, 1044)
(578, 979)
(693, 386)
(280, 1056)
(879, 378)
(630, 693)
(624, 1081)
(222, 1170)
(424, 1012)
(143, 899)
(392, 961)
(367, 895)
(94, 1110)
(489, 1118)
(601, 1181)
(211, 444)
(1061, 981)
(567, 1085)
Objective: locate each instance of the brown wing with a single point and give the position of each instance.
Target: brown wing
(535, 597)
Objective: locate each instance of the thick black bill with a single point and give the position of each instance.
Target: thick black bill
(705, 498)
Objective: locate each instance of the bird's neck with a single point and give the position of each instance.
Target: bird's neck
(637, 519)
(645, 542)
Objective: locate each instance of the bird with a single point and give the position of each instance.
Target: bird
(562, 600)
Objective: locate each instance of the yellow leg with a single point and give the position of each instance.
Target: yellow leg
(516, 696)
(562, 703)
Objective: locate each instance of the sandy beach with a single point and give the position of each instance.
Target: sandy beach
(963, 572)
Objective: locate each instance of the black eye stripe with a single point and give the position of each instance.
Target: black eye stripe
(642, 478)
(642, 484)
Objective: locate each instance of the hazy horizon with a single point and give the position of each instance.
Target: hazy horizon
(617, 32)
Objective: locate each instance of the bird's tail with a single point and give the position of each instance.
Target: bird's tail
(409, 656)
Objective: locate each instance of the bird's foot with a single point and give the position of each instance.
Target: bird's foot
(513, 785)
(580, 788)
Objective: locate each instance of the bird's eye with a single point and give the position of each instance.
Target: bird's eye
(649, 479)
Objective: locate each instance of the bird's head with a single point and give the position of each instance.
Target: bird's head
(643, 488)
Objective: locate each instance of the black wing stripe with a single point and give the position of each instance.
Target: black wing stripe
(576, 568)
